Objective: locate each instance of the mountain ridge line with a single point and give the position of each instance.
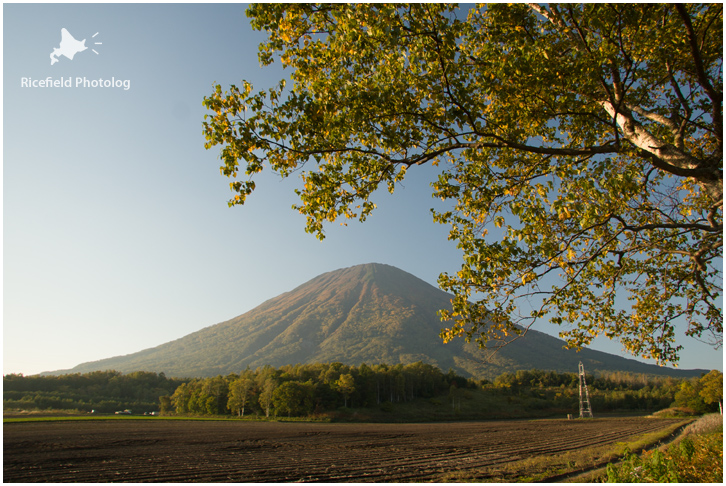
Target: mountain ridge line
(369, 313)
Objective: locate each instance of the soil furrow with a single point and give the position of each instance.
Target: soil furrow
(188, 451)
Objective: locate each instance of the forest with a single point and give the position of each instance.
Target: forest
(312, 388)
(318, 389)
(99, 391)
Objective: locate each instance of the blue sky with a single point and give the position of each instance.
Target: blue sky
(116, 232)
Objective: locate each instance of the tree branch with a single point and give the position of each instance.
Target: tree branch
(664, 155)
(715, 96)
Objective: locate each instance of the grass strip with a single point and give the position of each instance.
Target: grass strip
(559, 467)
(107, 417)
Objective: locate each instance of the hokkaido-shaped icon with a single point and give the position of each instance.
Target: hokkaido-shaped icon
(69, 47)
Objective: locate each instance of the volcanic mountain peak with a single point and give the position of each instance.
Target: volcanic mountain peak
(372, 313)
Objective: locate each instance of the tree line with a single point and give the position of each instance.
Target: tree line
(305, 390)
(616, 390)
(100, 391)
(309, 389)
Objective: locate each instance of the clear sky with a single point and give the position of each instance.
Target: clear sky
(116, 232)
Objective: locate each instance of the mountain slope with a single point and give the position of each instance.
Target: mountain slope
(369, 313)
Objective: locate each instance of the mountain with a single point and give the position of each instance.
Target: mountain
(370, 313)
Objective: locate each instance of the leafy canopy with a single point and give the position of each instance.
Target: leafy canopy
(712, 391)
(580, 147)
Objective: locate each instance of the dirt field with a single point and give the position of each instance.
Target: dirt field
(176, 451)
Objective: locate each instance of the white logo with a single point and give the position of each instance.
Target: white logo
(69, 47)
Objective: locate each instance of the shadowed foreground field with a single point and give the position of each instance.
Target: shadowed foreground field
(175, 451)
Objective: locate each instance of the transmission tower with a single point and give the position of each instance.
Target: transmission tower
(585, 409)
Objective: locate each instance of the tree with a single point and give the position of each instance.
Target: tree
(712, 388)
(267, 395)
(294, 397)
(165, 404)
(216, 389)
(345, 385)
(180, 398)
(689, 395)
(240, 392)
(580, 149)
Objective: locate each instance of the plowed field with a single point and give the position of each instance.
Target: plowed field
(176, 451)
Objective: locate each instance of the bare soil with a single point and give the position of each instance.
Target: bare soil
(201, 451)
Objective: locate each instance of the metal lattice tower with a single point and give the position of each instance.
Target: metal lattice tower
(585, 408)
